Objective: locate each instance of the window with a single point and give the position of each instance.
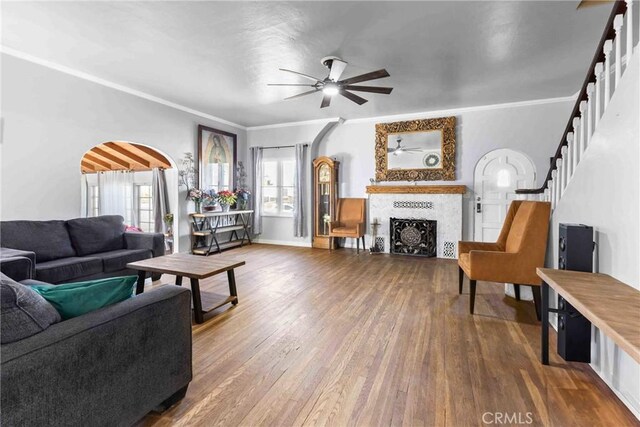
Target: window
(277, 187)
(144, 201)
(94, 201)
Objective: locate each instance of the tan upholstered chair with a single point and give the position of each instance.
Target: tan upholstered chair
(350, 221)
(520, 249)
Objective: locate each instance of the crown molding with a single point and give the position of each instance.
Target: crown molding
(95, 79)
(395, 117)
(453, 111)
(301, 123)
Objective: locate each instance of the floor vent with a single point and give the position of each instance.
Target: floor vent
(449, 250)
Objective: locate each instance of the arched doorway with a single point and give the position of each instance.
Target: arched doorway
(132, 180)
(497, 175)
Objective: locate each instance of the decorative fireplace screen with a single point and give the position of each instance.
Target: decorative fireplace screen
(413, 237)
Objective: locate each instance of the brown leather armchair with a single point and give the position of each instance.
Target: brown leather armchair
(350, 221)
(520, 249)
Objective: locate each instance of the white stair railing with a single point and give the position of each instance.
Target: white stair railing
(593, 100)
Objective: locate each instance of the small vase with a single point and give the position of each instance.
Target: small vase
(225, 207)
(242, 204)
(198, 207)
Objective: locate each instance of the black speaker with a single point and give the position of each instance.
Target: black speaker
(575, 252)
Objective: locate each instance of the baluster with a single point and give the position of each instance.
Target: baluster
(590, 89)
(608, 46)
(576, 142)
(617, 25)
(554, 192)
(566, 164)
(629, 14)
(583, 127)
(570, 160)
(598, 99)
(560, 175)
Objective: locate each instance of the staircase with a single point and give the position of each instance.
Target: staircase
(609, 64)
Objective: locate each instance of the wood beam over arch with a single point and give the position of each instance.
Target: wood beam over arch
(122, 156)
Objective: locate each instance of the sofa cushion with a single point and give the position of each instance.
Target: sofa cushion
(118, 260)
(75, 299)
(97, 234)
(63, 270)
(48, 239)
(23, 312)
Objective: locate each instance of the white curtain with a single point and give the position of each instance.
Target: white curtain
(299, 194)
(116, 195)
(160, 199)
(256, 160)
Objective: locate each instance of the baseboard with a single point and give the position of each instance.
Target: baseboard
(300, 244)
(622, 397)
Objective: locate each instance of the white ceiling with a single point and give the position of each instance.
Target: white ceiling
(217, 57)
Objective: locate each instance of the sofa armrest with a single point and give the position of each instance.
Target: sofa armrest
(137, 353)
(17, 264)
(151, 241)
(466, 247)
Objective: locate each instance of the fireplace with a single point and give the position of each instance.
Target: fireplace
(411, 236)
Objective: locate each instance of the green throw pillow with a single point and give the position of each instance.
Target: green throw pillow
(76, 299)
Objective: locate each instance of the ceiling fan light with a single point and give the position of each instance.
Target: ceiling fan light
(330, 89)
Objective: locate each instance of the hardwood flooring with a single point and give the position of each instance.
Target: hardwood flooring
(335, 338)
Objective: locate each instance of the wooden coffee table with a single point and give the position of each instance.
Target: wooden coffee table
(195, 268)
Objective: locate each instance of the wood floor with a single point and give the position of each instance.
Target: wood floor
(335, 338)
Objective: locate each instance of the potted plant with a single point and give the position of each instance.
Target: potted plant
(168, 221)
(243, 196)
(226, 199)
(197, 196)
(210, 201)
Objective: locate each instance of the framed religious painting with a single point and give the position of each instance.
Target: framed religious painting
(217, 151)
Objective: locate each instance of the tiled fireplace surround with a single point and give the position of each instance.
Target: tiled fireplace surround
(442, 203)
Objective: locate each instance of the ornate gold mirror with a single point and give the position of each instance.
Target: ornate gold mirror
(416, 150)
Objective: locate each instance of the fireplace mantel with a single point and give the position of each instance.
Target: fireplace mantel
(416, 189)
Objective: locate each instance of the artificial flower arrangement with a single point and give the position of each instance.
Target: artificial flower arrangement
(210, 199)
(243, 194)
(227, 198)
(168, 219)
(196, 195)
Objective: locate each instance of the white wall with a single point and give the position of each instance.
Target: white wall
(51, 119)
(535, 129)
(604, 192)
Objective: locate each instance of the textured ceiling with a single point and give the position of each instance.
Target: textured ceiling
(217, 57)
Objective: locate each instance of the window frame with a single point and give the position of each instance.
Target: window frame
(281, 213)
(138, 206)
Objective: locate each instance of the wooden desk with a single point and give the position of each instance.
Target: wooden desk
(610, 305)
(195, 268)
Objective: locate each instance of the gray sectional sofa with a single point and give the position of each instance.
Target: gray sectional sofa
(75, 250)
(109, 367)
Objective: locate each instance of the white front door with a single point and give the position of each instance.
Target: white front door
(497, 175)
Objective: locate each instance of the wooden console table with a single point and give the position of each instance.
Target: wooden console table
(609, 304)
(207, 226)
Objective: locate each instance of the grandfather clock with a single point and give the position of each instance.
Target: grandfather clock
(325, 184)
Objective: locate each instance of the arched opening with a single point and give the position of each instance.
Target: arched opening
(136, 181)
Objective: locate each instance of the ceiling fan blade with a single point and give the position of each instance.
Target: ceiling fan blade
(353, 97)
(588, 3)
(326, 100)
(337, 67)
(302, 94)
(364, 77)
(372, 89)
(290, 84)
(301, 74)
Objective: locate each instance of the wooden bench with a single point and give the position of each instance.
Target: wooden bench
(610, 305)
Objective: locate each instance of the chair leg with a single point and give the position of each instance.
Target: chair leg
(363, 243)
(472, 293)
(537, 300)
(357, 245)
(460, 279)
(516, 289)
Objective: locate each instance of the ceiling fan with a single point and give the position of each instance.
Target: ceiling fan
(398, 149)
(332, 85)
